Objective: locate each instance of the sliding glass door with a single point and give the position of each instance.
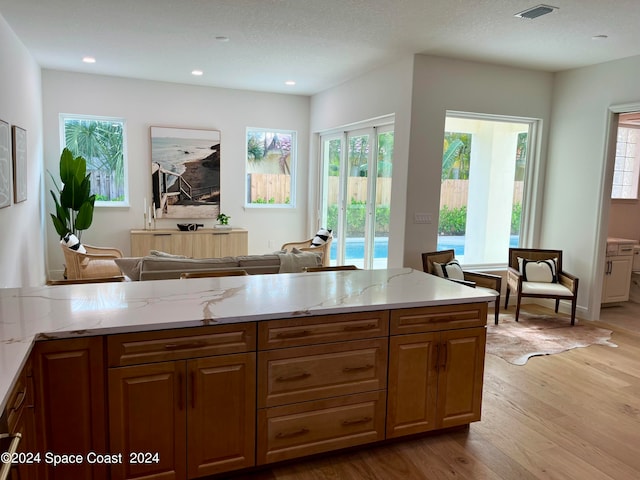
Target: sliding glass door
(356, 194)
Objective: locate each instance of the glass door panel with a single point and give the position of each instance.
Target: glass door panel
(331, 211)
(382, 199)
(355, 232)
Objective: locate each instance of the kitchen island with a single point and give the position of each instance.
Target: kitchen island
(348, 345)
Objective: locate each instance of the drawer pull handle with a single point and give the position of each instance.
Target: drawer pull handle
(298, 334)
(357, 328)
(356, 421)
(5, 468)
(295, 376)
(21, 396)
(184, 346)
(293, 433)
(361, 368)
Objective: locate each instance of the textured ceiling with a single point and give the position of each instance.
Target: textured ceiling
(317, 43)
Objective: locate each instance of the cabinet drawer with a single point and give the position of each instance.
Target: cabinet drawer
(313, 427)
(17, 401)
(429, 319)
(322, 329)
(146, 347)
(309, 373)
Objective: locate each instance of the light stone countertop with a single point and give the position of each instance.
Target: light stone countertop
(28, 314)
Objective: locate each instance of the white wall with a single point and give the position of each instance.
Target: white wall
(441, 84)
(384, 91)
(146, 103)
(22, 238)
(578, 181)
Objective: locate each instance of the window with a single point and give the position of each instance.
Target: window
(101, 141)
(626, 167)
(484, 165)
(271, 164)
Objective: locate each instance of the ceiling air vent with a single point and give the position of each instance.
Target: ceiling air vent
(535, 12)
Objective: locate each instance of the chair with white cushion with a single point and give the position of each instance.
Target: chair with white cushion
(538, 273)
(443, 264)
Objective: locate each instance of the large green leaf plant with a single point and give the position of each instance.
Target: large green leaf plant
(74, 202)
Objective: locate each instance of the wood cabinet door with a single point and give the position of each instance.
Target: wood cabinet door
(147, 414)
(143, 243)
(70, 404)
(206, 245)
(617, 279)
(412, 387)
(221, 414)
(460, 379)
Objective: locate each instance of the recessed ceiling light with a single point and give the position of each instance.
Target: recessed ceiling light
(599, 37)
(89, 60)
(222, 38)
(197, 73)
(291, 83)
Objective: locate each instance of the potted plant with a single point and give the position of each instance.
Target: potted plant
(224, 221)
(74, 202)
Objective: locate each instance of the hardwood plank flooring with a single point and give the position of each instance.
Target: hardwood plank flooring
(574, 415)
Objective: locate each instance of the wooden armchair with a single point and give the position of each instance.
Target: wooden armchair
(96, 263)
(305, 246)
(563, 285)
(485, 281)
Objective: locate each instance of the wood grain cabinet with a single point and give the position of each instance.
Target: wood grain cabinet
(20, 419)
(70, 405)
(193, 414)
(321, 390)
(203, 243)
(435, 375)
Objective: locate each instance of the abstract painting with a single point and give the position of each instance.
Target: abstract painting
(185, 172)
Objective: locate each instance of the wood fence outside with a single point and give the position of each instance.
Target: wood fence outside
(455, 193)
(277, 189)
(269, 188)
(104, 184)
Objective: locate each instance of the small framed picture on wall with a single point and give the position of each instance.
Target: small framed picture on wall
(5, 166)
(19, 164)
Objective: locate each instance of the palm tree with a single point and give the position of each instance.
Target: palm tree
(100, 142)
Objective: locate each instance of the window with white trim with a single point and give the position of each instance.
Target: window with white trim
(271, 167)
(101, 141)
(627, 164)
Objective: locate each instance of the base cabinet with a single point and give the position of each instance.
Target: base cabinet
(436, 377)
(185, 418)
(70, 405)
(617, 278)
(193, 402)
(20, 419)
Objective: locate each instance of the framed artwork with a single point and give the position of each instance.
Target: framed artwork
(19, 164)
(5, 166)
(185, 172)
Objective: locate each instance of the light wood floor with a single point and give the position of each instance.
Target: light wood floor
(574, 415)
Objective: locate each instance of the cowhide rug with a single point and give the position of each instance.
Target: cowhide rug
(535, 335)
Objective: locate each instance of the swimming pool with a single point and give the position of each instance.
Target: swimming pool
(355, 246)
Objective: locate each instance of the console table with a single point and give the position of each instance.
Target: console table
(203, 243)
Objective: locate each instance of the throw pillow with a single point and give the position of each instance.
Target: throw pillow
(72, 242)
(542, 271)
(321, 237)
(451, 270)
(158, 253)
